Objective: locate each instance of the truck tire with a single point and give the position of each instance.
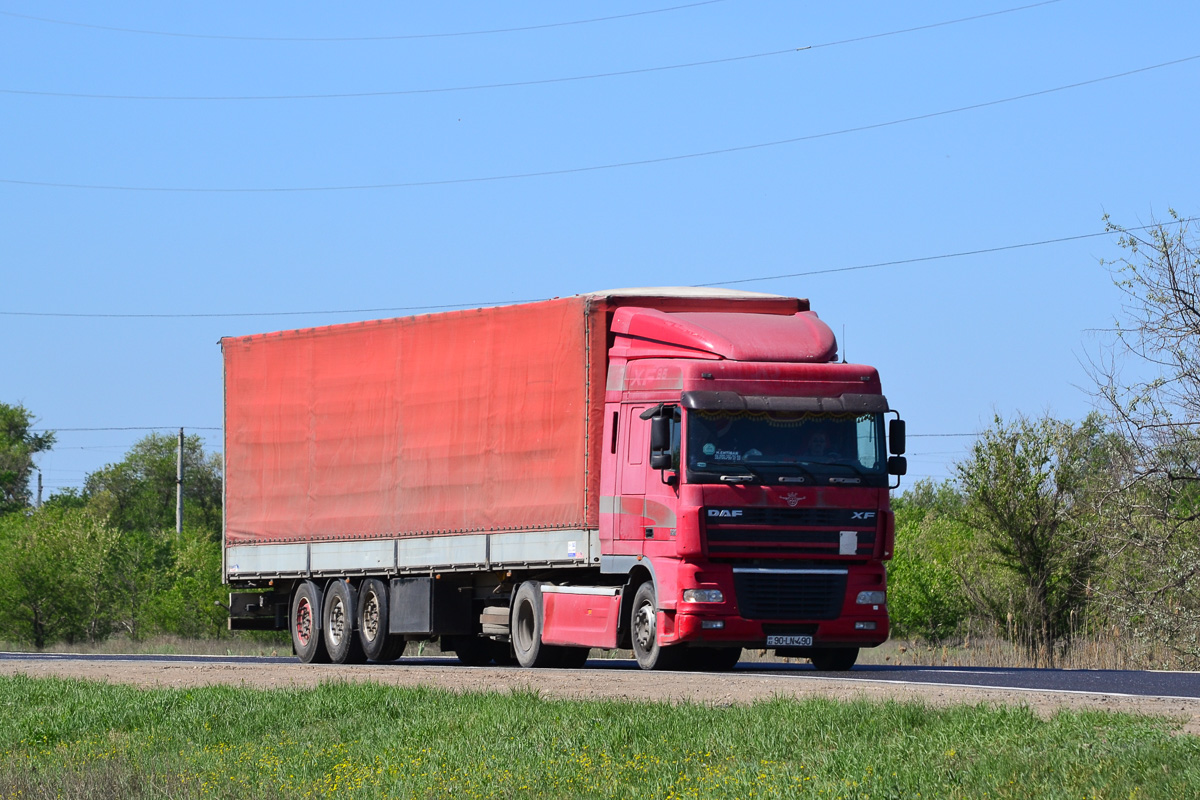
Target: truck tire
(643, 630)
(834, 659)
(526, 628)
(305, 621)
(340, 640)
(377, 644)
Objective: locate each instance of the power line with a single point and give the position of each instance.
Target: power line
(392, 37)
(393, 309)
(921, 259)
(937, 435)
(513, 84)
(267, 313)
(400, 92)
(137, 428)
(596, 167)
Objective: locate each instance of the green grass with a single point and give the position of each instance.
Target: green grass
(62, 738)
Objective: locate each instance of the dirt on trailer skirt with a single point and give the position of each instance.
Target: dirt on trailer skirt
(636, 685)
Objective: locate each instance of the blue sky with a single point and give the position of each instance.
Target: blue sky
(956, 340)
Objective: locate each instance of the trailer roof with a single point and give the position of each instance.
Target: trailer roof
(706, 292)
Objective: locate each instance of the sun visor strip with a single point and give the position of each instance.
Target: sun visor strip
(732, 401)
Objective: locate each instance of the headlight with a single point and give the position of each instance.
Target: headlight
(871, 598)
(703, 596)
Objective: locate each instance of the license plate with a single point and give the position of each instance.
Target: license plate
(789, 641)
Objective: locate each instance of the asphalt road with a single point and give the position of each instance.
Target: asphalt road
(1132, 683)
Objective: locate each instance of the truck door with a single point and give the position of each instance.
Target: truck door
(631, 480)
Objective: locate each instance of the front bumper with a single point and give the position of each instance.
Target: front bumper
(679, 627)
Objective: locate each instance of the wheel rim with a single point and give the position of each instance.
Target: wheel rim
(643, 627)
(370, 620)
(337, 621)
(304, 622)
(524, 628)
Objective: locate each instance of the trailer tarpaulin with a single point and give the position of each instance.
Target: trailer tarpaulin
(446, 423)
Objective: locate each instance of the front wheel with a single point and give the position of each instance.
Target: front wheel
(643, 630)
(834, 659)
(525, 628)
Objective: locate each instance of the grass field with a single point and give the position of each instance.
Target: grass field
(75, 739)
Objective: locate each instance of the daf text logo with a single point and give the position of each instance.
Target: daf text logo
(724, 512)
(862, 515)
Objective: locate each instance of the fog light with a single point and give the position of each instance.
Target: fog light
(864, 626)
(713, 624)
(870, 598)
(703, 596)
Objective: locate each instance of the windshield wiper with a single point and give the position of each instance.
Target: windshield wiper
(754, 475)
(807, 473)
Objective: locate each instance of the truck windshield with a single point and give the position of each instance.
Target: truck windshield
(786, 447)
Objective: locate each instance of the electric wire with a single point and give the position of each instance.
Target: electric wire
(513, 84)
(385, 38)
(392, 309)
(400, 92)
(594, 167)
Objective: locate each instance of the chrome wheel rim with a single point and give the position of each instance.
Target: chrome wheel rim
(304, 622)
(370, 620)
(643, 627)
(337, 621)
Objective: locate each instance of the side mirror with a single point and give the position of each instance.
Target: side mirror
(897, 465)
(660, 436)
(661, 459)
(896, 439)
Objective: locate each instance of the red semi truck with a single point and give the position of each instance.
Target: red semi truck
(681, 472)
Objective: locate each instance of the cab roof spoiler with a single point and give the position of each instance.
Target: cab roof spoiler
(732, 401)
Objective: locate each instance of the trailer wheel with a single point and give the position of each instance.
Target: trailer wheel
(307, 640)
(834, 659)
(643, 630)
(341, 642)
(377, 643)
(526, 628)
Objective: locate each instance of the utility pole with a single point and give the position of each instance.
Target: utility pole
(39, 500)
(179, 485)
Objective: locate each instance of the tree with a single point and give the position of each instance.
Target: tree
(1031, 490)
(925, 590)
(1148, 377)
(53, 578)
(18, 446)
(138, 492)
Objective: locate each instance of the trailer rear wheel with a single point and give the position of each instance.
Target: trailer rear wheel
(643, 629)
(526, 628)
(305, 620)
(340, 640)
(834, 659)
(377, 644)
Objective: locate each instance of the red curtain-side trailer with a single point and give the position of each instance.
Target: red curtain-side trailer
(626, 469)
